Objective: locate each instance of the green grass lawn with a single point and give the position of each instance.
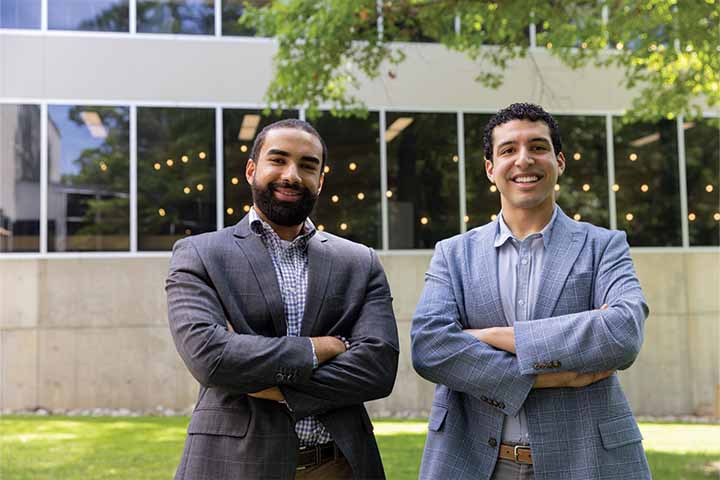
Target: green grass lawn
(36, 448)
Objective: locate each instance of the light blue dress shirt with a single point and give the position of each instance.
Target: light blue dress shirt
(519, 266)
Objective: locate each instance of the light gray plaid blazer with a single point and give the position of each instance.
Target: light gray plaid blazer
(228, 276)
(576, 433)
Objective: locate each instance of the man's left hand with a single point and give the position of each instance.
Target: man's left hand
(502, 338)
(272, 393)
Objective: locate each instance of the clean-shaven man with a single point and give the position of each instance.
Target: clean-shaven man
(522, 324)
(288, 330)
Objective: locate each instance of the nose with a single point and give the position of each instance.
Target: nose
(524, 159)
(291, 174)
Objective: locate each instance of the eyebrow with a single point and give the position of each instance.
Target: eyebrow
(283, 153)
(536, 139)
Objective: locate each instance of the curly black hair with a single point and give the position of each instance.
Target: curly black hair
(287, 123)
(521, 111)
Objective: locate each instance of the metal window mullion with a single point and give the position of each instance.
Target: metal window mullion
(384, 184)
(301, 114)
(43, 178)
(43, 15)
(682, 170)
(457, 24)
(610, 148)
(218, 18)
(380, 20)
(461, 170)
(219, 169)
(132, 14)
(133, 180)
(532, 31)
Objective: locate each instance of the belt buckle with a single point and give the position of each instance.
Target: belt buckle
(516, 452)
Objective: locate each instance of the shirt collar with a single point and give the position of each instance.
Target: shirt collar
(504, 233)
(261, 227)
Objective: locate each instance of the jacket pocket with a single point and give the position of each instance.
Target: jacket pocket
(219, 422)
(437, 417)
(620, 431)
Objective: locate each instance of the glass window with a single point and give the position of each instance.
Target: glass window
(20, 14)
(232, 11)
(88, 178)
(583, 188)
(176, 175)
(646, 182)
(19, 178)
(702, 154)
(176, 16)
(240, 129)
(93, 15)
(482, 197)
(349, 205)
(422, 178)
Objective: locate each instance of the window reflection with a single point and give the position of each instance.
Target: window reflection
(482, 197)
(702, 154)
(349, 205)
(88, 178)
(422, 178)
(232, 11)
(647, 187)
(583, 193)
(20, 14)
(93, 15)
(20, 178)
(176, 16)
(240, 129)
(176, 175)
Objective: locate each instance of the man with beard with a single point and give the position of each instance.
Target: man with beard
(288, 330)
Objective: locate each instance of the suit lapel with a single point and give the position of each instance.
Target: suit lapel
(565, 244)
(319, 267)
(262, 266)
(484, 270)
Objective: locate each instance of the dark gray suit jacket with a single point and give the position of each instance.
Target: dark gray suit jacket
(229, 276)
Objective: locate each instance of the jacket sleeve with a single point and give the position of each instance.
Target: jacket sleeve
(365, 372)
(215, 356)
(444, 354)
(596, 340)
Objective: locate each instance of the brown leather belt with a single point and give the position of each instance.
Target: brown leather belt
(516, 453)
(317, 455)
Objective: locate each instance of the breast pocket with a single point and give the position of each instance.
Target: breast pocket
(577, 294)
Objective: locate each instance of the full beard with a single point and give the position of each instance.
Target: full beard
(287, 214)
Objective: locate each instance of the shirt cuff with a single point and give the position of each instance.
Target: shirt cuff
(315, 359)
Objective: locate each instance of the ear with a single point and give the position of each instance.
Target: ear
(322, 182)
(250, 171)
(489, 170)
(561, 163)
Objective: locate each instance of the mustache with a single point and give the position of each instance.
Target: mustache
(290, 186)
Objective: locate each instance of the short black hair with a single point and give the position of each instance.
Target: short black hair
(287, 123)
(521, 111)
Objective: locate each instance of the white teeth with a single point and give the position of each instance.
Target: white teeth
(526, 179)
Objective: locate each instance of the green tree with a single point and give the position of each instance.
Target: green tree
(669, 50)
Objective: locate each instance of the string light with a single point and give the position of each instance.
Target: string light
(343, 226)
(424, 220)
(335, 199)
(709, 188)
(234, 180)
(557, 187)
(493, 188)
(186, 190)
(577, 156)
(716, 216)
(466, 218)
(389, 194)
(615, 187)
(161, 212)
(352, 166)
(586, 187)
(170, 162)
(577, 217)
(644, 188)
(243, 148)
(629, 217)
(202, 155)
(549, 45)
(326, 169)
(619, 45)
(583, 45)
(493, 217)
(230, 211)
(200, 187)
(321, 227)
(456, 158)
(692, 216)
(103, 166)
(246, 208)
(157, 166)
(184, 159)
(188, 231)
(361, 196)
(633, 157)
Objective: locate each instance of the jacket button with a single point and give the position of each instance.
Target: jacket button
(279, 377)
(492, 442)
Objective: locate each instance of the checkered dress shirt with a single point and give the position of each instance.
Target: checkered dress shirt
(290, 260)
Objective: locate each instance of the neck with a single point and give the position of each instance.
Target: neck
(284, 232)
(524, 221)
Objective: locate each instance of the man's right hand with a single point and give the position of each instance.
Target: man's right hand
(327, 348)
(569, 379)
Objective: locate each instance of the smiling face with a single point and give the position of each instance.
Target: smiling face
(524, 167)
(286, 178)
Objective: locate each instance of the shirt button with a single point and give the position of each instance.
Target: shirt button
(524, 261)
(521, 302)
